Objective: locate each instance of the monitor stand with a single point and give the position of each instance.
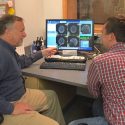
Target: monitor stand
(69, 52)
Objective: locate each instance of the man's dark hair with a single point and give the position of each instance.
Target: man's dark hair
(7, 20)
(116, 25)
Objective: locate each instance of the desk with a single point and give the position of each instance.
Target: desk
(70, 77)
(61, 81)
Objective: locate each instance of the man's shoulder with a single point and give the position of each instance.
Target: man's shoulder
(4, 53)
(103, 57)
(2, 50)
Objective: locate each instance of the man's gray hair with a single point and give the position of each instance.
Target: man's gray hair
(6, 21)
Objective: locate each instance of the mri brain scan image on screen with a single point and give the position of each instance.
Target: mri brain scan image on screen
(73, 41)
(73, 28)
(61, 41)
(61, 28)
(86, 28)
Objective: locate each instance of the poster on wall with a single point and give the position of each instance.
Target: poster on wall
(3, 1)
(100, 10)
(7, 7)
(2, 10)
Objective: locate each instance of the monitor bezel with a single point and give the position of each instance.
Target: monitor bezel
(72, 20)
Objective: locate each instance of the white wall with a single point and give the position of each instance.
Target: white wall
(51, 9)
(34, 13)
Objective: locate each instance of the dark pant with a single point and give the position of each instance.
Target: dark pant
(1, 118)
(97, 108)
(98, 115)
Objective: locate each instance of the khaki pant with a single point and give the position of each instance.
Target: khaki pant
(43, 101)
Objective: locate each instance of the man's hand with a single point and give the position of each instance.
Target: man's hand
(21, 108)
(49, 51)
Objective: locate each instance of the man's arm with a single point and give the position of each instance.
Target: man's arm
(25, 61)
(93, 80)
(5, 106)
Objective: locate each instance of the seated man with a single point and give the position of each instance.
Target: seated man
(21, 106)
(106, 76)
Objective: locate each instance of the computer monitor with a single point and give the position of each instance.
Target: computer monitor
(70, 34)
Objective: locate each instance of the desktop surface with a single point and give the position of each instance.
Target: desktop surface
(70, 77)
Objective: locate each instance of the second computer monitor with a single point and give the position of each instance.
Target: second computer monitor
(67, 34)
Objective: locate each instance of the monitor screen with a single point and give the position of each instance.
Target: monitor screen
(67, 34)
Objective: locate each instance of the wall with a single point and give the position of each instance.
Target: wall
(51, 9)
(34, 13)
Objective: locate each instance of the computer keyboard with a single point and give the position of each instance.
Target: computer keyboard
(59, 58)
(63, 65)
